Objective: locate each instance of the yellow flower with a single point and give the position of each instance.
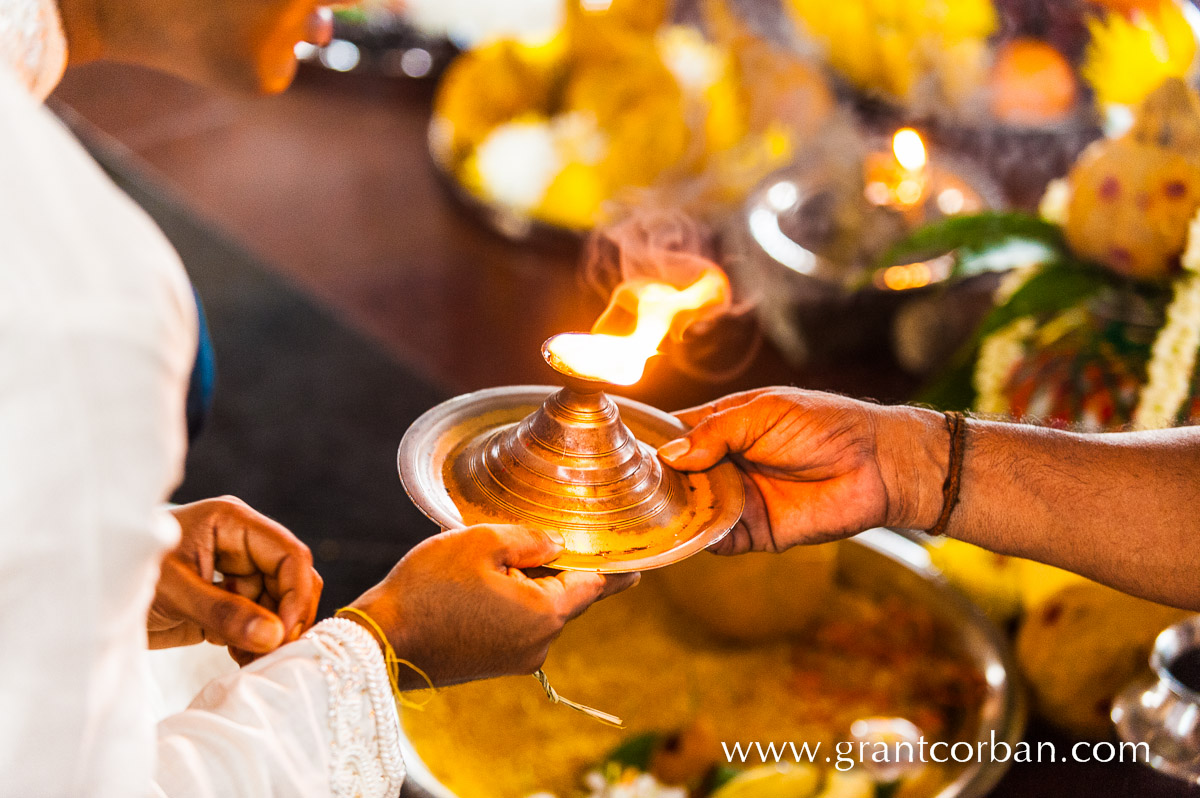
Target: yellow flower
(890, 45)
(574, 197)
(696, 64)
(486, 87)
(736, 170)
(968, 19)
(1129, 57)
(1054, 204)
(706, 74)
(726, 123)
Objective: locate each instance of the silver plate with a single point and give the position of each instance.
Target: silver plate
(438, 435)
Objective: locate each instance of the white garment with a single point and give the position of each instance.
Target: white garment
(97, 338)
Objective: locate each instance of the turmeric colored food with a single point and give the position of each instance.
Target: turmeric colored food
(764, 596)
(637, 657)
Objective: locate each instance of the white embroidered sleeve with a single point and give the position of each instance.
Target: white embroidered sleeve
(314, 719)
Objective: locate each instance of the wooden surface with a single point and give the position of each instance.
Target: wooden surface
(330, 184)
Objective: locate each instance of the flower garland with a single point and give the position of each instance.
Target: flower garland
(998, 356)
(1053, 207)
(1173, 356)
(1000, 352)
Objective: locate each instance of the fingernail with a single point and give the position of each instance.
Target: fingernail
(557, 537)
(297, 630)
(264, 632)
(675, 449)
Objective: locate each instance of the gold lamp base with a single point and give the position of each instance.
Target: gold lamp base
(574, 461)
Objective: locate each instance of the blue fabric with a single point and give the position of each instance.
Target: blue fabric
(204, 377)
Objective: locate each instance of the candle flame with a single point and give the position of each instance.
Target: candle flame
(905, 277)
(658, 308)
(909, 149)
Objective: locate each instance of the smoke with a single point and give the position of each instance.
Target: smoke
(668, 245)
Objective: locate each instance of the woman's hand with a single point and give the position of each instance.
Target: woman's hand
(269, 591)
(817, 467)
(462, 607)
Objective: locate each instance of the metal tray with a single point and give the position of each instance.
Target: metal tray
(881, 557)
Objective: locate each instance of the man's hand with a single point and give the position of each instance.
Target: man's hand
(269, 591)
(462, 607)
(817, 467)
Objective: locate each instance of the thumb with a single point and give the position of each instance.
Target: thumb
(578, 590)
(524, 547)
(701, 448)
(235, 619)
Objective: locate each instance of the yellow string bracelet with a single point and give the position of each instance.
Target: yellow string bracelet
(392, 661)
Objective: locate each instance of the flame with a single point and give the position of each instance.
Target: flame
(905, 277)
(909, 149)
(657, 307)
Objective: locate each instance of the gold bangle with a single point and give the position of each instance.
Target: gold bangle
(392, 661)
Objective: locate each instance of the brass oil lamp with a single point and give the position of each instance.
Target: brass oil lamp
(573, 460)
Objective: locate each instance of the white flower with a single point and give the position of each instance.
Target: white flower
(517, 162)
(694, 62)
(1014, 281)
(470, 23)
(1191, 253)
(1173, 358)
(1053, 207)
(630, 785)
(998, 355)
(579, 137)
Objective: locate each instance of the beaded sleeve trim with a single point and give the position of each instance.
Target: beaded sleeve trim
(365, 760)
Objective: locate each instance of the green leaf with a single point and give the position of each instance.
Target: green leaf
(1058, 285)
(971, 236)
(720, 776)
(954, 387)
(887, 790)
(353, 16)
(636, 751)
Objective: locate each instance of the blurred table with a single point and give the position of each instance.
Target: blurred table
(331, 185)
